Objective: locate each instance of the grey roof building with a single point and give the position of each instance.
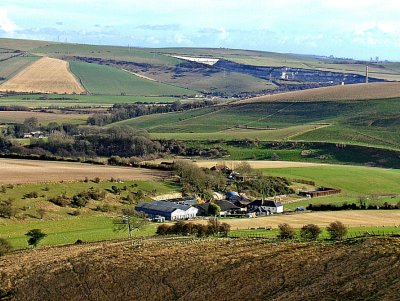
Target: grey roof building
(169, 210)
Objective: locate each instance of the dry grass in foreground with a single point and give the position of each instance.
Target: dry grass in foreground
(347, 92)
(351, 218)
(15, 171)
(205, 270)
(46, 75)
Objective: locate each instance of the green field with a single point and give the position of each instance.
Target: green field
(105, 80)
(67, 231)
(59, 224)
(56, 100)
(12, 66)
(378, 185)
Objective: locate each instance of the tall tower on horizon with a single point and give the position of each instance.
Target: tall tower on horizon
(366, 74)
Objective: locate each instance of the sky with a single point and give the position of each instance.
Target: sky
(343, 28)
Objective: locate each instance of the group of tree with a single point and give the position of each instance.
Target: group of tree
(336, 230)
(213, 228)
(199, 181)
(119, 112)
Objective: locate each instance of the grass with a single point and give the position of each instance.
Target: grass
(43, 118)
(59, 224)
(371, 123)
(67, 231)
(12, 66)
(375, 183)
(105, 80)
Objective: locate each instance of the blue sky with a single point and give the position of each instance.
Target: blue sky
(344, 28)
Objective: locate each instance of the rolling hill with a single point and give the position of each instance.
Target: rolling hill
(190, 269)
(238, 73)
(346, 92)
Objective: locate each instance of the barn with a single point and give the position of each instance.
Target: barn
(170, 211)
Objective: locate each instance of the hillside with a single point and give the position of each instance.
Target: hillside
(205, 270)
(346, 92)
(238, 73)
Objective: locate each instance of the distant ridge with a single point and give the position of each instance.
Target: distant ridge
(347, 92)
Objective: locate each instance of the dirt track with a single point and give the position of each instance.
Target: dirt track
(15, 171)
(46, 75)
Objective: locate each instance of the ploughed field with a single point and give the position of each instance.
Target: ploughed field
(15, 171)
(46, 75)
(190, 269)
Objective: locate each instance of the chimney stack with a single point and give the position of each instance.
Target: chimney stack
(366, 74)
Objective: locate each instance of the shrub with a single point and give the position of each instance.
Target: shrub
(286, 231)
(213, 209)
(61, 200)
(6, 209)
(337, 230)
(79, 242)
(31, 195)
(75, 213)
(41, 212)
(96, 180)
(163, 229)
(310, 232)
(5, 247)
(104, 208)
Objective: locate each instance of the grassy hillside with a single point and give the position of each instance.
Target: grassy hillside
(382, 70)
(223, 270)
(346, 92)
(98, 79)
(373, 122)
(12, 66)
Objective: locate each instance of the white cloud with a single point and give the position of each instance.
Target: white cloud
(6, 24)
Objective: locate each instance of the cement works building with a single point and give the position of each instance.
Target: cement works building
(170, 211)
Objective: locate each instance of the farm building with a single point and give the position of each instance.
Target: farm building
(322, 191)
(169, 210)
(265, 207)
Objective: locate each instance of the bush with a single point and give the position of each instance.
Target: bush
(163, 229)
(286, 231)
(61, 200)
(75, 213)
(5, 247)
(104, 208)
(96, 180)
(31, 195)
(310, 232)
(337, 230)
(6, 209)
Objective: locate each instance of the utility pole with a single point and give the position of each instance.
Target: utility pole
(366, 74)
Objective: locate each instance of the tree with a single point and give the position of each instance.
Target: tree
(310, 232)
(129, 221)
(337, 230)
(243, 168)
(213, 209)
(35, 236)
(5, 247)
(30, 124)
(224, 229)
(286, 231)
